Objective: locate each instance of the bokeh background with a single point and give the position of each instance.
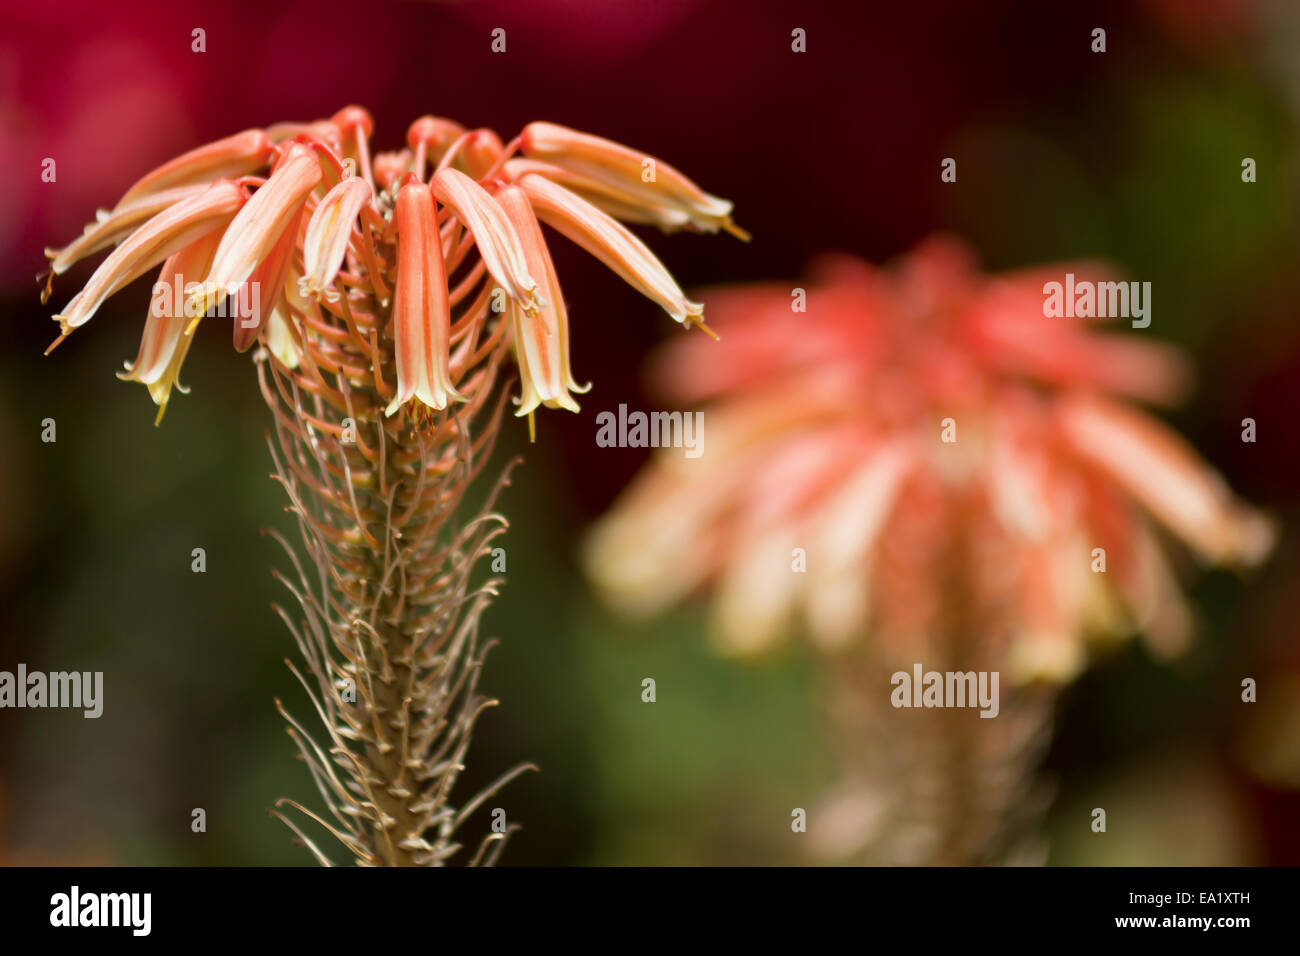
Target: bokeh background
(1133, 155)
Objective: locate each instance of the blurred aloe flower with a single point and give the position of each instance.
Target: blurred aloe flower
(385, 293)
(924, 468)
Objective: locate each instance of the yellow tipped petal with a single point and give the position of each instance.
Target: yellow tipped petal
(628, 174)
(1162, 472)
(166, 340)
(541, 339)
(608, 196)
(756, 595)
(116, 226)
(843, 532)
(279, 337)
(611, 243)
(262, 221)
(168, 232)
(493, 233)
(328, 233)
(421, 312)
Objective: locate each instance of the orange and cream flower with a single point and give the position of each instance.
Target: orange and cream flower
(421, 314)
(621, 180)
(431, 257)
(385, 293)
(922, 439)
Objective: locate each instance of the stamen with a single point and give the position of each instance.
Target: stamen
(736, 231)
(56, 342)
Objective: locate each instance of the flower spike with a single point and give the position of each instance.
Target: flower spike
(386, 380)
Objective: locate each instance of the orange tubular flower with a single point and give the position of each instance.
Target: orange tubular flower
(113, 227)
(612, 244)
(907, 410)
(627, 178)
(542, 336)
(260, 225)
(328, 233)
(165, 233)
(165, 342)
(494, 235)
(421, 314)
(267, 285)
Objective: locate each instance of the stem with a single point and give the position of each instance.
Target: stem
(389, 632)
(944, 786)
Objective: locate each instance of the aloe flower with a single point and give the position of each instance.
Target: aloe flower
(924, 468)
(388, 292)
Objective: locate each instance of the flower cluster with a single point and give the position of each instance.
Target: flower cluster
(308, 220)
(927, 440)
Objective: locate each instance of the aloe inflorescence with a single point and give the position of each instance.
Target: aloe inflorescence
(383, 295)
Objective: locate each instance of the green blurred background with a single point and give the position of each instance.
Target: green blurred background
(1134, 155)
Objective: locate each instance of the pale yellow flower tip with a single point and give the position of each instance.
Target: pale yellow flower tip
(1053, 659)
(167, 332)
(541, 337)
(111, 228)
(167, 232)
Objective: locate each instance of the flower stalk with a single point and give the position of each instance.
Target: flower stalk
(390, 292)
(926, 474)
